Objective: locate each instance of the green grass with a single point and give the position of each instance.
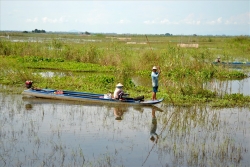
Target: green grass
(184, 70)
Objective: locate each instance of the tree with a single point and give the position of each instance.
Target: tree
(38, 31)
(87, 33)
(168, 34)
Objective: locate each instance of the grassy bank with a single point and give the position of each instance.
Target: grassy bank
(116, 58)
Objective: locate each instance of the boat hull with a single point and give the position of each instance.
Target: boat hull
(83, 96)
(233, 63)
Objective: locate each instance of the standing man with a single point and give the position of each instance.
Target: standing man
(155, 75)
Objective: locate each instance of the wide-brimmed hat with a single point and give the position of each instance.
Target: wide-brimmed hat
(154, 68)
(119, 85)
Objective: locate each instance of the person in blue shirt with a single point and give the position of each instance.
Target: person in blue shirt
(155, 75)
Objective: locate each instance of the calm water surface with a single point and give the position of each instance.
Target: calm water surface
(36, 132)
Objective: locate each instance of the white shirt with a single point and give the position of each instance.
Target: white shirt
(116, 92)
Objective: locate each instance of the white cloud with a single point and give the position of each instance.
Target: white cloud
(149, 22)
(165, 21)
(57, 20)
(35, 20)
(233, 20)
(45, 20)
(211, 22)
(219, 20)
(96, 16)
(191, 20)
(124, 21)
(214, 22)
(239, 19)
(168, 22)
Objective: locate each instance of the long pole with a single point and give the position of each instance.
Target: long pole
(149, 43)
(152, 52)
(159, 135)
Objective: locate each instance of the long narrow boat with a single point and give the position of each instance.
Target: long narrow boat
(232, 63)
(84, 96)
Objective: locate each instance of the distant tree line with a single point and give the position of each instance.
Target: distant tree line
(168, 34)
(86, 33)
(38, 31)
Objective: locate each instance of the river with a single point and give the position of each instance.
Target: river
(39, 132)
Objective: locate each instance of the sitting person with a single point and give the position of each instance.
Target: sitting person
(118, 92)
(217, 60)
(28, 84)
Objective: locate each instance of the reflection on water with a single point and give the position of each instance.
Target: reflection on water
(153, 134)
(50, 74)
(119, 111)
(37, 132)
(40, 39)
(230, 86)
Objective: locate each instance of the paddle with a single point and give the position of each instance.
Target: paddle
(158, 135)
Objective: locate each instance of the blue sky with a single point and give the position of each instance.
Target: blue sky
(177, 17)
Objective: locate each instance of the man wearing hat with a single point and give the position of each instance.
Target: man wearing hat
(217, 60)
(155, 75)
(118, 91)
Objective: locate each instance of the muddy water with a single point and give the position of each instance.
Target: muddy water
(37, 132)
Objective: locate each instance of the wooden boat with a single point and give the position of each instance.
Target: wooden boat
(31, 100)
(233, 63)
(84, 96)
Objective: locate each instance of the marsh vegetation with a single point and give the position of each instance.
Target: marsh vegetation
(115, 59)
(204, 120)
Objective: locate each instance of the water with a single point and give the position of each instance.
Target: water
(41, 39)
(39, 132)
(230, 86)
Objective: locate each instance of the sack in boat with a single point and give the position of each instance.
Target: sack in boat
(107, 96)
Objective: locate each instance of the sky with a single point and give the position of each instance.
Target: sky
(177, 17)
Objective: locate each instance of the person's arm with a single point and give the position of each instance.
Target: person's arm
(159, 70)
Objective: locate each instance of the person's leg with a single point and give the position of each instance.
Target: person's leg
(155, 90)
(154, 96)
(154, 93)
